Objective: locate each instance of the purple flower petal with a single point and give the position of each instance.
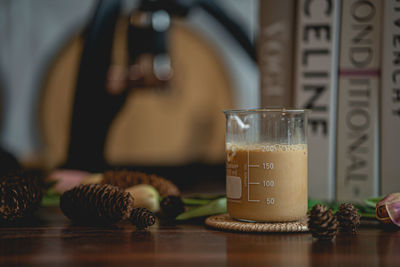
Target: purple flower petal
(388, 209)
(393, 209)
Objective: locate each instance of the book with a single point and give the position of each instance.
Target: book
(390, 99)
(315, 84)
(275, 52)
(359, 85)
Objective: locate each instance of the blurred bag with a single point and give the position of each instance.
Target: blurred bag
(83, 125)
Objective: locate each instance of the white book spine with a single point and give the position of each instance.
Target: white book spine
(316, 71)
(390, 98)
(275, 54)
(359, 85)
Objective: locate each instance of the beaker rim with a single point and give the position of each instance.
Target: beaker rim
(260, 110)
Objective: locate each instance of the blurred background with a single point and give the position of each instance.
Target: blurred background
(93, 84)
(141, 84)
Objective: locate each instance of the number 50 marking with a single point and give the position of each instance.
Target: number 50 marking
(270, 201)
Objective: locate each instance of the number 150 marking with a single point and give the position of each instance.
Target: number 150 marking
(268, 165)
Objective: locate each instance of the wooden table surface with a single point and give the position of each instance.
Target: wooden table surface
(52, 240)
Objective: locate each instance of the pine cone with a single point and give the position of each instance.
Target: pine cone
(96, 204)
(142, 218)
(171, 206)
(322, 223)
(348, 217)
(125, 179)
(20, 195)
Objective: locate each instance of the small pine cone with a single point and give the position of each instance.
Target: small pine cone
(171, 206)
(142, 218)
(348, 217)
(96, 204)
(322, 223)
(20, 195)
(125, 179)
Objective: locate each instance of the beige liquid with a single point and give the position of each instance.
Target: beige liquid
(273, 182)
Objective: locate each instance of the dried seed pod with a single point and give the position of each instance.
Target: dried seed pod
(322, 223)
(142, 218)
(348, 217)
(146, 196)
(171, 206)
(388, 210)
(96, 204)
(125, 179)
(20, 195)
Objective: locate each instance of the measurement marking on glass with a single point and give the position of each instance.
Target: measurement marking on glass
(248, 178)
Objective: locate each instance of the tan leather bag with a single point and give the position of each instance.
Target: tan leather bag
(180, 125)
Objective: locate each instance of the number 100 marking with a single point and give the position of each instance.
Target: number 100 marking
(269, 183)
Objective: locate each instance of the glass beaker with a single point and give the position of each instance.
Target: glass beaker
(266, 164)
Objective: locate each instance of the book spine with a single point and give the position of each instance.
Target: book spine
(359, 84)
(317, 43)
(275, 50)
(390, 98)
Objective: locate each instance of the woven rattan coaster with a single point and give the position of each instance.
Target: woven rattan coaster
(225, 223)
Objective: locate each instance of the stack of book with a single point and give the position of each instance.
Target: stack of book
(341, 59)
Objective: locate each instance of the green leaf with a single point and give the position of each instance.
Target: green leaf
(368, 215)
(216, 206)
(50, 199)
(200, 199)
(207, 196)
(334, 206)
(195, 201)
(367, 211)
(371, 202)
(202, 205)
